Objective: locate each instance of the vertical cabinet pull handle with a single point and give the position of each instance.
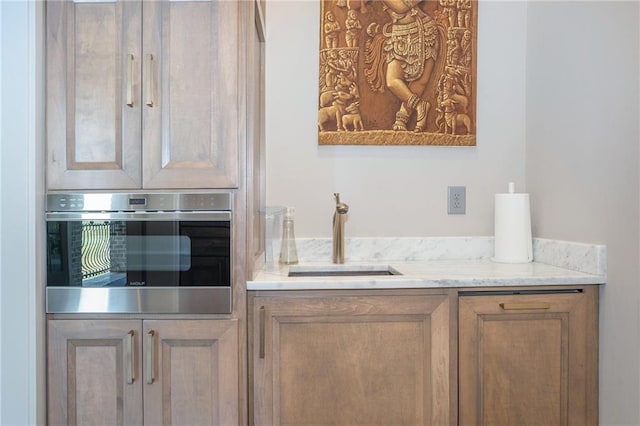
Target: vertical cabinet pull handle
(262, 337)
(130, 65)
(149, 81)
(129, 363)
(150, 358)
(524, 306)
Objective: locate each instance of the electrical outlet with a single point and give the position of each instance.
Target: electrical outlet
(457, 201)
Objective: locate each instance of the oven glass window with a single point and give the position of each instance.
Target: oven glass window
(134, 253)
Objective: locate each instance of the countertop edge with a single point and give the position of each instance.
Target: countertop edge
(434, 274)
(352, 285)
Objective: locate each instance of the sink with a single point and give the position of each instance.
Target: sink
(342, 271)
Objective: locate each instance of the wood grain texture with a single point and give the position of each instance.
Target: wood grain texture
(530, 367)
(351, 359)
(86, 373)
(186, 58)
(256, 166)
(191, 132)
(196, 365)
(93, 137)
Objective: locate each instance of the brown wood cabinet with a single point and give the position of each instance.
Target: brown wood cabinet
(90, 366)
(143, 94)
(256, 167)
(529, 358)
(134, 372)
(502, 356)
(353, 357)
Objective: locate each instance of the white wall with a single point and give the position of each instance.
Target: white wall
(582, 164)
(561, 75)
(391, 191)
(21, 308)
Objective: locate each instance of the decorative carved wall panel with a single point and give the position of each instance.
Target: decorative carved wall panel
(397, 72)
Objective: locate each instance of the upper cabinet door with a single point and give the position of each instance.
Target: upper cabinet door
(154, 109)
(191, 94)
(93, 94)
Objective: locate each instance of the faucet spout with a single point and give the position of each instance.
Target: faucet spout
(339, 217)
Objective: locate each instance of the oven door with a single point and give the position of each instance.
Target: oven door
(142, 262)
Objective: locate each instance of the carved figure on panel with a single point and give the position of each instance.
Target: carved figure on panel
(347, 65)
(331, 69)
(352, 119)
(408, 47)
(453, 118)
(448, 10)
(453, 47)
(333, 113)
(353, 26)
(465, 46)
(331, 30)
(453, 101)
(414, 81)
(464, 13)
(343, 91)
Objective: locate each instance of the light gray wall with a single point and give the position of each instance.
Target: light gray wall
(582, 160)
(561, 75)
(21, 307)
(391, 191)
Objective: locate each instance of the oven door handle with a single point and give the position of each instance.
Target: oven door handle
(222, 215)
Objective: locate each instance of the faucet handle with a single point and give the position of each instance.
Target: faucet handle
(341, 208)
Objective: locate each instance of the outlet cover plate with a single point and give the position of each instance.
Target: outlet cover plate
(456, 199)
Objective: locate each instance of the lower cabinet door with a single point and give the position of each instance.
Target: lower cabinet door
(191, 372)
(94, 372)
(135, 372)
(351, 360)
(528, 359)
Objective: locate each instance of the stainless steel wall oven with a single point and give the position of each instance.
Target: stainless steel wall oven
(139, 253)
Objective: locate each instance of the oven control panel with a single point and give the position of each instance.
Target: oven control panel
(139, 202)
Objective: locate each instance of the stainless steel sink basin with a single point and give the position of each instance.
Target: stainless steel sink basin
(342, 271)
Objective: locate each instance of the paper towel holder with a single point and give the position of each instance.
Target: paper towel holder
(512, 228)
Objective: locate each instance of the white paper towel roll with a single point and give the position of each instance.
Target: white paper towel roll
(513, 242)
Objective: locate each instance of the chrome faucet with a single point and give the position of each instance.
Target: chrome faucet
(339, 217)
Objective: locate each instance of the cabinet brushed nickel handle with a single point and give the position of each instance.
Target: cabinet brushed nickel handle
(524, 306)
(149, 81)
(150, 358)
(130, 64)
(262, 314)
(129, 345)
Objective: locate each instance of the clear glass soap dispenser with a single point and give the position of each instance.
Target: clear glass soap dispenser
(288, 252)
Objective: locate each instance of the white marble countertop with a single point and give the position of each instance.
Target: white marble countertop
(427, 274)
(556, 263)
